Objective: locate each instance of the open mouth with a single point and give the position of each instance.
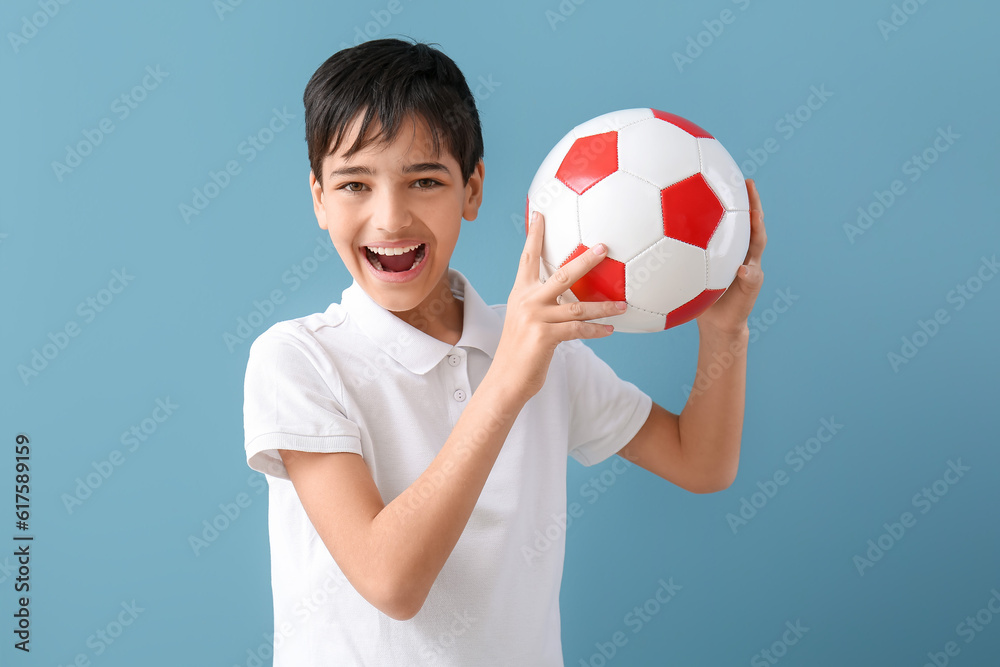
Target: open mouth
(396, 260)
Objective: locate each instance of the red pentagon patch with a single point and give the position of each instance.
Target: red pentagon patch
(682, 123)
(604, 282)
(589, 160)
(691, 211)
(693, 308)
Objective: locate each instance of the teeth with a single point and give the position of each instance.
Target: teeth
(375, 252)
(392, 251)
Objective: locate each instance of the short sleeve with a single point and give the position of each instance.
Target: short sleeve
(606, 411)
(288, 403)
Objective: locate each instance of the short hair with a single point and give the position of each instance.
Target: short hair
(391, 80)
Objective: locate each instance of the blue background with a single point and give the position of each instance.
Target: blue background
(552, 67)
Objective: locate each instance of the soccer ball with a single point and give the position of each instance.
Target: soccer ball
(667, 200)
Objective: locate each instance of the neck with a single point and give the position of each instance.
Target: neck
(440, 315)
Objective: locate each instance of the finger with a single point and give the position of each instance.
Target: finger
(571, 271)
(751, 278)
(758, 239)
(579, 329)
(585, 310)
(758, 235)
(755, 204)
(528, 269)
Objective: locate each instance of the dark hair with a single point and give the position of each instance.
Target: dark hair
(390, 80)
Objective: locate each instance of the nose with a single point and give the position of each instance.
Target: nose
(392, 212)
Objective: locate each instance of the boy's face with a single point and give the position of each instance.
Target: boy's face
(396, 195)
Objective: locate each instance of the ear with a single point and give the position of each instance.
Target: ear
(317, 197)
(474, 192)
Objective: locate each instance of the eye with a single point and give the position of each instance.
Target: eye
(353, 186)
(427, 183)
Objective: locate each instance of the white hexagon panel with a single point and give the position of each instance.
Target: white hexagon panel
(635, 156)
(635, 320)
(611, 122)
(728, 248)
(622, 212)
(559, 203)
(665, 276)
(723, 175)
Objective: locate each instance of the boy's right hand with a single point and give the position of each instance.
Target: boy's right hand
(536, 322)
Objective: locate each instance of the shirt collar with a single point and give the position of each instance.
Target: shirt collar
(415, 350)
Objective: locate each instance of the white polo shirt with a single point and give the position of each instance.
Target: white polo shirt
(356, 378)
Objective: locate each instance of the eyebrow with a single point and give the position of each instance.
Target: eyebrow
(363, 170)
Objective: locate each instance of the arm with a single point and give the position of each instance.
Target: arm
(392, 554)
(700, 450)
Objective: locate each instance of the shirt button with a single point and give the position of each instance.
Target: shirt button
(454, 360)
(459, 395)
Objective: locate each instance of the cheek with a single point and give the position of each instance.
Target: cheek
(343, 239)
(346, 251)
(446, 206)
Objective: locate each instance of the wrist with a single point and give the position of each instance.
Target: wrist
(737, 333)
(505, 392)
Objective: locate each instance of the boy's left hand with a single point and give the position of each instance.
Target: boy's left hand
(729, 314)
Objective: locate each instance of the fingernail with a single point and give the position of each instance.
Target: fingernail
(599, 249)
(534, 216)
(609, 328)
(621, 305)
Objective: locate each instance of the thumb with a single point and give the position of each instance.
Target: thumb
(751, 278)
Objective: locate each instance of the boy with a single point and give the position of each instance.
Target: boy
(414, 438)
